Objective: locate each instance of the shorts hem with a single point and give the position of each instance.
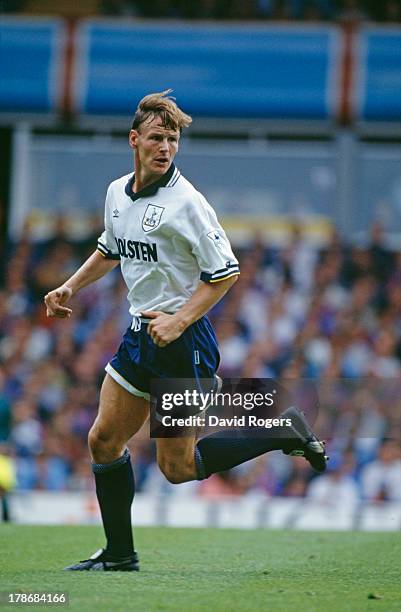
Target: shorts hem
(125, 384)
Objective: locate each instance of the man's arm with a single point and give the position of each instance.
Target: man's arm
(94, 268)
(165, 328)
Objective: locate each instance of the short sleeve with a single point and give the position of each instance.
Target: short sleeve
(211, 247)
(106, 244)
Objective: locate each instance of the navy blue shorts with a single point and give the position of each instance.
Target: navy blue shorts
(138, 360)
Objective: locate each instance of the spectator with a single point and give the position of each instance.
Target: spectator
(381, 479)
(7, 480)
(5, 412)
(121, 8)
(337, 486)
(352, 12)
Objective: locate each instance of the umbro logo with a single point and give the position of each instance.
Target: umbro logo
(116, 213)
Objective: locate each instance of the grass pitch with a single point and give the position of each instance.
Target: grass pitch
(210, 569)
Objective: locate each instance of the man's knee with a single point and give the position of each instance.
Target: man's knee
(103, 445)
(177, 472)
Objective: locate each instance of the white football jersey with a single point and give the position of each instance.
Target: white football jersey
(167, 238)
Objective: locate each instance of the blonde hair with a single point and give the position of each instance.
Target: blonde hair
(164, 106)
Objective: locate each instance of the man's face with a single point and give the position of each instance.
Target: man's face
(155, 146)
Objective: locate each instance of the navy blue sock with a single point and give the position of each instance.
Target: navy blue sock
(115, 488)
(224, 450)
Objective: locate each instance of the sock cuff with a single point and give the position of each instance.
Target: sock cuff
(200, 466)
(101, 468)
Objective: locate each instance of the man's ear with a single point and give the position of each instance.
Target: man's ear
(133, 139)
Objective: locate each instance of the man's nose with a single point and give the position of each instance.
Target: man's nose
(164, 144)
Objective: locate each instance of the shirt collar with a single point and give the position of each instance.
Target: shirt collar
(151, 189)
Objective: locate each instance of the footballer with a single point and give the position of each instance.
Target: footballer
(177, 263)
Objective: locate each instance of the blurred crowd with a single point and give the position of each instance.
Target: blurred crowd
(311, 10)
(330, 315)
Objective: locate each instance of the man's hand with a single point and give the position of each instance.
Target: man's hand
(164, 328)
(55, 301)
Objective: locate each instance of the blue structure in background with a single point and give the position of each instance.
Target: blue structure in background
(218, 71)
(380, 73)
(30, 64)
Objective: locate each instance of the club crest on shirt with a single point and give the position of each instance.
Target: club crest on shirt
(217, 239)
(151, 218)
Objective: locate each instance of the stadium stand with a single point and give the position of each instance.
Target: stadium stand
(308, 10)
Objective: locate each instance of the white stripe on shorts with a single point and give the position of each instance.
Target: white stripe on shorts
(124, 383)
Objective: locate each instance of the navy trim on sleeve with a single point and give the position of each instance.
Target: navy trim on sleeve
(107, 254)
(222, 274)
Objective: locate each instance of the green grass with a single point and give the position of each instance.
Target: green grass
(210, 569)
